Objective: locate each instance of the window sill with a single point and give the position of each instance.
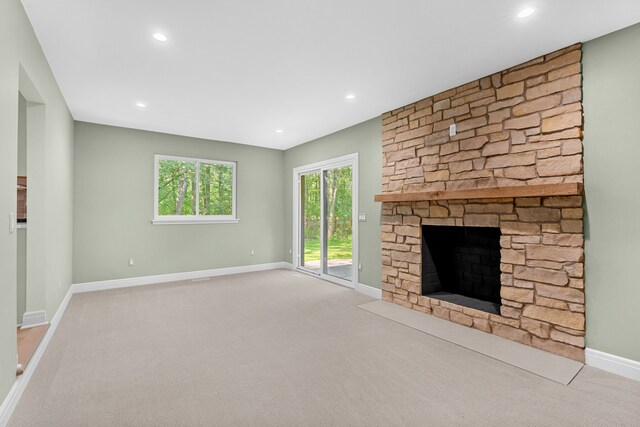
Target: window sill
(186, 221)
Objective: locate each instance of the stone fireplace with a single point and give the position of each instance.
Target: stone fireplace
(484, 227)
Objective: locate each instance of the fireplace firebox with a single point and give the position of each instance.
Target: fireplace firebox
(462, 265)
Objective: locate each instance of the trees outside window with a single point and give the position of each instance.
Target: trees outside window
(194, 190)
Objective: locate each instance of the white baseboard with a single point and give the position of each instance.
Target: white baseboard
(612, 363)
(174, 277)
(369, 290)
(10, 402)
(31, 319)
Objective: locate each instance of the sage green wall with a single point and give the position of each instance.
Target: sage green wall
(611, 70)
(364, 139)
(50, 204)
(113, 198)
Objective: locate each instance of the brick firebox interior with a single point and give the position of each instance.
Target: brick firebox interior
(519, 127)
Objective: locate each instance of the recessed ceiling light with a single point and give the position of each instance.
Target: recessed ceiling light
(141, 105)
(279, 131)
(160, 37)
(350, 96)
(526, 12)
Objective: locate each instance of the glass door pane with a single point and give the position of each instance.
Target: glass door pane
(338, 222)
(310, 222)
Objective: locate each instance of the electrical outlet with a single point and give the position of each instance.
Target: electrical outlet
(452, 130)
(359, 267)
(132, 261)
(252, 252)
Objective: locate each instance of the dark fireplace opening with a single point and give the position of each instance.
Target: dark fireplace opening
(462, 265)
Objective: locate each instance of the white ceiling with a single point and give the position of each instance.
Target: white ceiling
(237, 70)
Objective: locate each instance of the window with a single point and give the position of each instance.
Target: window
(194, 190)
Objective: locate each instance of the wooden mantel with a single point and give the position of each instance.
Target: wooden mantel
(540, 190)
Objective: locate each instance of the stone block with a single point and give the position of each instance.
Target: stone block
(392, 219)
(481, 220)
(554, 253)
(575, 270)
(561, 165)
(554, 86)
(574, 240)
(469, 124)
(528, 202)
(577, 341)
(473, 143)
(571, 225)
(508, 310)
(521, 172)
(512, 256)
(510, 91)
(516, 294)
(552, 303)
(463, 155)
(508, 160)
(554, 316)
(524, 122)
(562, 293)
(563, 201)
(562, 122)
(537, 105)
(438, 211)
(497, 208)
(407, 231)
(463, 166)
(441, 105)
(461, 318)
(519, 228)
(499, 116)
(541, 275)
(457, 111)
(495, 148)
(440, 312)
(482, 324)
(397, 155)
(539, 214)
(449, 148)
(406, 257)
(441, 175)
(535, 327)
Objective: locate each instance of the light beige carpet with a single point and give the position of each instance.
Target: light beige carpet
(281, 348)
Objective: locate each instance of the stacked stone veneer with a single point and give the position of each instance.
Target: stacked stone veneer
(517, 127)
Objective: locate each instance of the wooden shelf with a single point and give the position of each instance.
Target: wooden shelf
(539, 190)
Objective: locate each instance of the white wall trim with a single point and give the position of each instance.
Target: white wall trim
(369, 290)
(174, 277)
(31, 319)
(10, 402)
(612, 363)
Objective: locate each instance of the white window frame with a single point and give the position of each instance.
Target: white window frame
(193, 219)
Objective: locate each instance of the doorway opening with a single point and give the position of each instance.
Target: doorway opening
(325, 219)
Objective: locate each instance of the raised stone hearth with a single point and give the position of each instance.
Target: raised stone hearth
(522, 126)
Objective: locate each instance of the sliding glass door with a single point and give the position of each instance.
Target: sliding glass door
(310, 221)
(338, 222)
(325, 226)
